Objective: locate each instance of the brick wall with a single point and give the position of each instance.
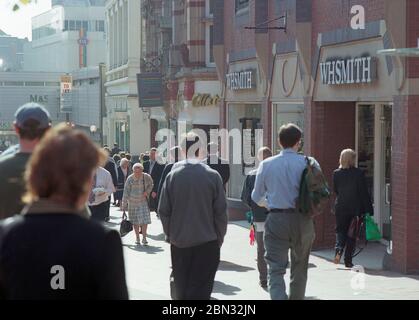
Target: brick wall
(236, 37)
(412, 30)
(332, 129)
(405, 181)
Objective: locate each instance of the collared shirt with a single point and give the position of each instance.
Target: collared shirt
(103, 180)
(152, 163)
(278, 180)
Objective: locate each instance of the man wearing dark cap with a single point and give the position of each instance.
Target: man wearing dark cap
(31, 122)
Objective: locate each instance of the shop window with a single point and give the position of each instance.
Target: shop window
(284, 114)
(241, 117)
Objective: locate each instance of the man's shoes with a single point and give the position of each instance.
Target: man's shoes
(263, 284)
(349, 264)
(338, 255)
(138, 241)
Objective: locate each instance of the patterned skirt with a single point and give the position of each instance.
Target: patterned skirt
(139, 214)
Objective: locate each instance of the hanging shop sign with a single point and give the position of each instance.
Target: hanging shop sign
(150, 89)
(204, 100)
(348, 71)
(243, 80)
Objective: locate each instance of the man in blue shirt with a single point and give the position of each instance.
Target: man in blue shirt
(276, 188)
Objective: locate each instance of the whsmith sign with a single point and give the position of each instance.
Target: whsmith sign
(242, 80)
(348, 71)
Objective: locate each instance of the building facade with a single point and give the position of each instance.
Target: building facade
(11, 53)
(87, 97)
(328, 77)
(179, 40)
(125, 123)
(18, 88)
(69, 36)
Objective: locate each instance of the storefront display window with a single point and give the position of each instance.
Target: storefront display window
(284, 114)
(366, 121)
(239, 117)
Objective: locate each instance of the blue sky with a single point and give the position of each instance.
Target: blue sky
(18, 23)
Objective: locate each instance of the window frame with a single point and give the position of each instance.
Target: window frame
(209, 23)
(242, 9)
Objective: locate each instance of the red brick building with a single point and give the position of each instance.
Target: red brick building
(328, 77)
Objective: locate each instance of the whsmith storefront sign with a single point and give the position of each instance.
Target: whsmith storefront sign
(348, 71)
(243, 80)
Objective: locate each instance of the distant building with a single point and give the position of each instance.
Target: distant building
(11, 52)
(68, 37)
(18, 88)
(125, 123)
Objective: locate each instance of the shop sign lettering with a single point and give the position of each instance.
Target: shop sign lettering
(243, 80)
(203, 100)
(349, 71)
(38, 99)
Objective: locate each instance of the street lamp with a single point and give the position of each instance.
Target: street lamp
(93, 130)
(1, 63)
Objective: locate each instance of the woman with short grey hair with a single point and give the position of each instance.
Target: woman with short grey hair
(135, 199)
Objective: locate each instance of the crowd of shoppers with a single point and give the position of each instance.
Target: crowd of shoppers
(45, 198)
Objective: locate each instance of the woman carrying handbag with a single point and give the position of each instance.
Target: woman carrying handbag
(352, 200)
(135, 199)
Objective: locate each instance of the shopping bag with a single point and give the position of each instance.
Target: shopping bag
(125, 227)
(252, 235)
(372, 232)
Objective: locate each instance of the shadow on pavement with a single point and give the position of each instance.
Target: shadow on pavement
(160, 237)
(228, 290)
(147, 249)
(390, 274)
(111, 224)
(230, 266)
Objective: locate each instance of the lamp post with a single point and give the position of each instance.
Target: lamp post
(93, 130)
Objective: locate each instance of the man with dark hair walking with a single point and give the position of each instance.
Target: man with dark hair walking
(277, 188)
(155, 170)
(193, 211)
(214, 161)
(32, 121)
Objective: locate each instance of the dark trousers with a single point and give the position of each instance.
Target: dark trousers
(194, 270)
(100, 211)
(343, 242)
(262, 267)
(108, 208)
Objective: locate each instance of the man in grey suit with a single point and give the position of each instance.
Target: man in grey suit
(193, 211)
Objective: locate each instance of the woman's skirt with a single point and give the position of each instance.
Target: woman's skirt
(139, 214)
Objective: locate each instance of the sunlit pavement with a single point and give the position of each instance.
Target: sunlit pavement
(148, 270)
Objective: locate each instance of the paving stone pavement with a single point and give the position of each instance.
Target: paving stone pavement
(148, 270)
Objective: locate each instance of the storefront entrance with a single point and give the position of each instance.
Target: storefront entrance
(373, 144)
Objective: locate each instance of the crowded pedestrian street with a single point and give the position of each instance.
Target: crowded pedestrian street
(148, 270)
(209, 150)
